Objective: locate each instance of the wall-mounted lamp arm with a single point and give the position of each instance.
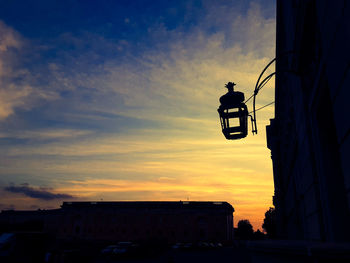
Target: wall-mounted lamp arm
(233, 107)
(253, 123)
(262, 84)
(257, 88)
(259, 85)
(265, 80)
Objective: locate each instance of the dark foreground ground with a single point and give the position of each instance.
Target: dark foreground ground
(225, 254)
(242, 252)
(34, 248)
(39, 248)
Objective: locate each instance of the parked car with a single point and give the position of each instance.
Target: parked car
(108, 250)
(126, 248)
(188, 246)
(178, 246)
(218, 245)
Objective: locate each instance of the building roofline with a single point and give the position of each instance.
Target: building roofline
(150, 204)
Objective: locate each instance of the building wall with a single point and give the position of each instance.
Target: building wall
(309, 137)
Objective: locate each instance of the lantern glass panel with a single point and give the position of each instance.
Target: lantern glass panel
(234, 121)
(233, 113)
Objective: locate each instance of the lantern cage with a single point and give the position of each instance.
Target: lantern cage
(233, 110)
(233, 114)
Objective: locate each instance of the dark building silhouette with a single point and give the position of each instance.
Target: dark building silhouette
(170, 222)
(309, 136)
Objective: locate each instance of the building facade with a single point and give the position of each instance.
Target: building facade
(168, 222)
(309, 136)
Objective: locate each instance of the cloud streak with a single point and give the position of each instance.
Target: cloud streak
(19, 86)
(39, 193)
(138, 125)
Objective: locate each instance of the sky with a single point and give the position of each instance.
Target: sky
(117, 100)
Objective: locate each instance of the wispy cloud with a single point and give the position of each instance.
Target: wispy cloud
(143, 124)
(7, 207)
(9, 96)
(37, 193)
(46, 134)
(18, 86)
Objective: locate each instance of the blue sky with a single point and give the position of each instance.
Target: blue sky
(117, 100)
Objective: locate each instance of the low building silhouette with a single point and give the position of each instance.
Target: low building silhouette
(169, 222)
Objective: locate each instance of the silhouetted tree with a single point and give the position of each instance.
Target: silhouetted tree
(269, 224)
(244, 229)
(258, 235)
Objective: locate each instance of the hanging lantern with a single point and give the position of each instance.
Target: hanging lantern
(233, 114)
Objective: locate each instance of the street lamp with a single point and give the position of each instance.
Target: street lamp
(233, 114)
(233, 109)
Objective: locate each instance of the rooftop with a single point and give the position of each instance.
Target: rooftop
(151, 205)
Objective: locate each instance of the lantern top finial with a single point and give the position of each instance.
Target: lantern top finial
(230, 86)
(231, 98)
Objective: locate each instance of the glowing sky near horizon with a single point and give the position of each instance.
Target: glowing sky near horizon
(117, 100)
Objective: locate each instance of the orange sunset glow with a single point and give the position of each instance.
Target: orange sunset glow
(92, 116)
